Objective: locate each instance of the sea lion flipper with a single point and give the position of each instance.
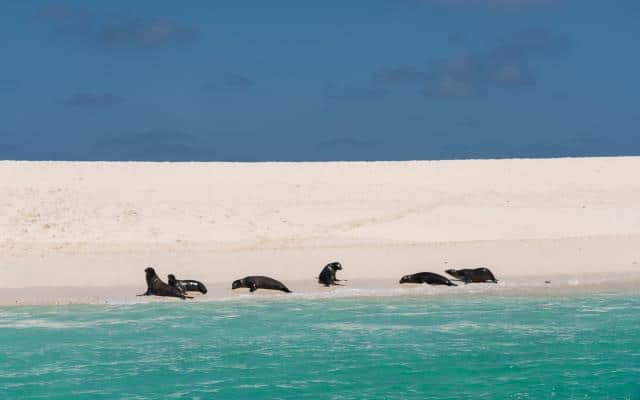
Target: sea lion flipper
(253, 287)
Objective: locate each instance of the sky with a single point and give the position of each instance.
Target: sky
(290, 80)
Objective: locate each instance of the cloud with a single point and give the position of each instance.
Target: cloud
(232, 79)
(346, 148)
(494, 4)
(153, 146)
(69, 20)
(144, 33)
(64, 14)
(407, 75)
(210, 87)
(27, 146)
(116, 30)
(455, 38)
(93, 100)
(467, 123)
(508, 65)
(353, 92)
(527, 43)
(452, 87)
(343, 143)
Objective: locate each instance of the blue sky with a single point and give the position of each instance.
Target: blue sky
(325, 80)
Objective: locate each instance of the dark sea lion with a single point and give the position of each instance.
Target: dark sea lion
(186, 285)
(259, 282)
(328, 274)
(469, 275)
(427, 277)
(155, 286)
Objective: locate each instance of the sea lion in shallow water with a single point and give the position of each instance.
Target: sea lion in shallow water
(469, 275)
(427, 277)
(186, 285)
(259, 282)
(155, 286)
(328, 274)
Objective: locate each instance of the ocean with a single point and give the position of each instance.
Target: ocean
(571, 347)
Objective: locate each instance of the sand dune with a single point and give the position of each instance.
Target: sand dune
(73, 224)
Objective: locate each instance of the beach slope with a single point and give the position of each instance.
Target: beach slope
(85, 231)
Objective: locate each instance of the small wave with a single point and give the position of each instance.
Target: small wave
(44, 324)
(351, 326)
(225, 316)
(209, 383)
(602, 309)
(123, 302)
(458, 326)
(252, 386)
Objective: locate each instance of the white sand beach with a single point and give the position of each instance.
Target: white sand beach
(83, 232)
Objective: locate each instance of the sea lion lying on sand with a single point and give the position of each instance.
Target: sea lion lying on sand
(156, 287)
(259, 282)
(427, 277)
(328, 274)
(186, 285)
(469, 275)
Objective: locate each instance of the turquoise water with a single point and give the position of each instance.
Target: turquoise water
(392, 348)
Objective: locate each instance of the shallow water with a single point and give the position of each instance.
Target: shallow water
(391, 348)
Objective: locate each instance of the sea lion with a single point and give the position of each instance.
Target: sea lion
(328, 274)
(259, 282)
(469, 275)
(186, 285)
(427, 277)
(156, 287)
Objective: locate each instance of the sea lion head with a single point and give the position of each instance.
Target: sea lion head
(452, 272)
(336, 266)
(171, 279)
(237, 284)
(406, 279)
(150, 271)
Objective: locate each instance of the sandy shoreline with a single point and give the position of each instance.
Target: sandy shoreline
(75, 232)
(560, 286)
